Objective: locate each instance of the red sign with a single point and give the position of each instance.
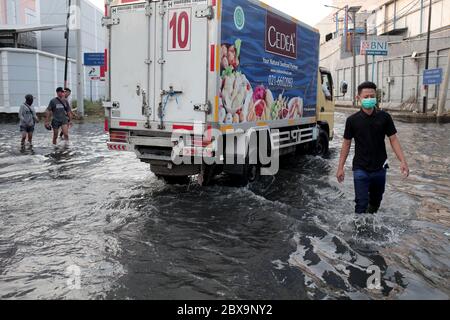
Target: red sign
(179, 30)
(281, 36)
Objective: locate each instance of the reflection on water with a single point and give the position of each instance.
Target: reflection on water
(292, 237)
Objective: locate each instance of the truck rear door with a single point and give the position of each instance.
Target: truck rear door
(182, 61)
(132, 53)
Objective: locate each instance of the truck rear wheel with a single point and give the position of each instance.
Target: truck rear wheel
(207, 173)
(250, 174)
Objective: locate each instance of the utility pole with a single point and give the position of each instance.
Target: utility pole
(80, 73)
(421, 16)
(427, 59)
(444, 90)
(366, 58)
(67, 36)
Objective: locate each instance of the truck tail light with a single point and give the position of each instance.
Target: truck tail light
(106, 125)
(118, 136)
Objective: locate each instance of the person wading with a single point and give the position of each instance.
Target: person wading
(368, 128)
(61, 114)
(67, 94)
(28, 119)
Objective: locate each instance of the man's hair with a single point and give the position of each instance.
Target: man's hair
(366, 85)
(59, 89)
(67, 89)
(29, 97)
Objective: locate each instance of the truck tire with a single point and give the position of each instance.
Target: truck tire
(250, 174)
(322, 146)
(207, 173)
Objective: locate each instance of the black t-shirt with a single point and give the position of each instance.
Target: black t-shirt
(369, 133)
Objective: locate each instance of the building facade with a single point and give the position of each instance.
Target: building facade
(40, 55)
(403, 24)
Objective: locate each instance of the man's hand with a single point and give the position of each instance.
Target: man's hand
(340, 175)
(404, 169)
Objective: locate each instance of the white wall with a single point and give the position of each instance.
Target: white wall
(33, 72)
(93, 36)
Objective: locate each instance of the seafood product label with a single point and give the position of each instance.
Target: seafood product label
(269, 66)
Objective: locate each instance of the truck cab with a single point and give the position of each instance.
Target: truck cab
(326, 102)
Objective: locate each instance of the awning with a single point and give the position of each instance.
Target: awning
(9, 28)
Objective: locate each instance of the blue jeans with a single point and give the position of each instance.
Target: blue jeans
(369, 190)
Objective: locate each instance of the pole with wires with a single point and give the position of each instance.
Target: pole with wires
(67, 36)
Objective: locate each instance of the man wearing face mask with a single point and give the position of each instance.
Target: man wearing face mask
(369, 128)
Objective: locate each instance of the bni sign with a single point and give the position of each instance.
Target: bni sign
(374, 48)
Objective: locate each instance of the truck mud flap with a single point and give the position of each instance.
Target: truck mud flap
(176, 171)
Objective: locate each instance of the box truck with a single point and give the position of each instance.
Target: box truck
(190, 83)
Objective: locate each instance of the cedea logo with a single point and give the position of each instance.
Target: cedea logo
(281, 36)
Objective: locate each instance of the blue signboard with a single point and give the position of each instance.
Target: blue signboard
(432, 76)
(94, 59)
(269, 65)
(374, 48)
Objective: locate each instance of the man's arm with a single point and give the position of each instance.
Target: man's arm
(49, 113)
(395, 144)
(21, 112)
(47, 116)
(69, 111)
(36, 118)
(344, 155)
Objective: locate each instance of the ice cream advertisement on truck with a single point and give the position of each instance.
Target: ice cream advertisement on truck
(268, 64)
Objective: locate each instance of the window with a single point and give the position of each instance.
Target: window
(327, 85)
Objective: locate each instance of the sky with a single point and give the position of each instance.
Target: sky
(308, 11)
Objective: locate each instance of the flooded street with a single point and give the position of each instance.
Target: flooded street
(293, 237)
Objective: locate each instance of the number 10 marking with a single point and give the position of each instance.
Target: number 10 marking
(179, 30)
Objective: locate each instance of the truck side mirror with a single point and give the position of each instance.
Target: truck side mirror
(344, 87)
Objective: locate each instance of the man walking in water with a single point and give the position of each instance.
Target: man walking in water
(67, 94)
(369, 127)
(28, 119)
(61, 113)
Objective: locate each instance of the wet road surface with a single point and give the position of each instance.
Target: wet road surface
(130, 236)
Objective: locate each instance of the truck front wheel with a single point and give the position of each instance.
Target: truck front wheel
(322, 145)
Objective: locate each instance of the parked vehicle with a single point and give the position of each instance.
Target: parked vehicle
(190, 82)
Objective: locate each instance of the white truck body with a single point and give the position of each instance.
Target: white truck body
(173, 65)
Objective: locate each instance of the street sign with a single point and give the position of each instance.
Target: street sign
(94, 73)
(374, 48)
(94, 59)
(432, 76)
